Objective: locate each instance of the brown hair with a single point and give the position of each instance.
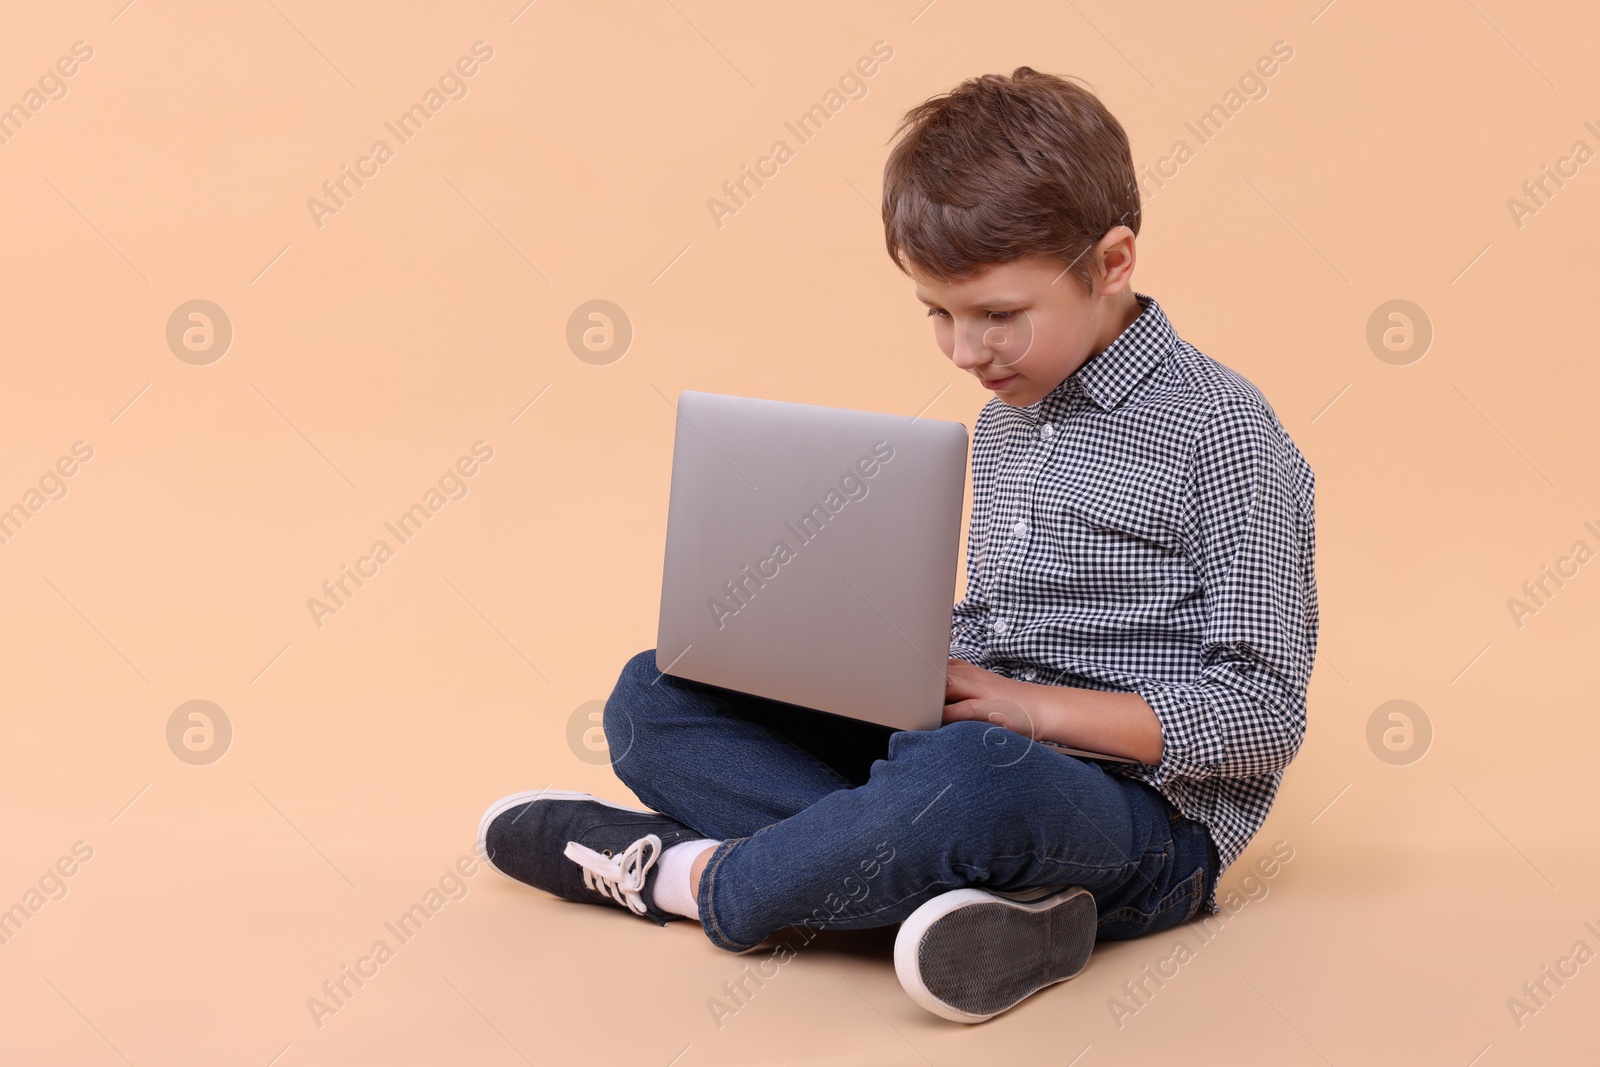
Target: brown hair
(1002, 168)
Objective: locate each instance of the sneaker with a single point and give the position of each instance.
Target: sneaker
(580, 847)
(970, 954)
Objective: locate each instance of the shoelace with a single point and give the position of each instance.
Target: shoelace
(620, 877)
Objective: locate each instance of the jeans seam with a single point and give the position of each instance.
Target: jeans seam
(1034, 855)
(972, 881)
(897, 903)
(710, 909)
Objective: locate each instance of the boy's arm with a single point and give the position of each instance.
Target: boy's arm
(966, 629)
(969, 621)
(1251, 539)
(969, 627)
(1118, 724)
(1246, 537)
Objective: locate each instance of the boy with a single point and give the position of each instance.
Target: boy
(1139, 583)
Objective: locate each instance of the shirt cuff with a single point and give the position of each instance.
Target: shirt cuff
(968, 640)
(966, 650)
(1191, 743)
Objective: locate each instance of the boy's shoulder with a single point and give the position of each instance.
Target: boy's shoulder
(1186, 386)
(1172, 404)
(1224, 395)
(1236, 425)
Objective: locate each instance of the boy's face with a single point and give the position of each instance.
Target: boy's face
(1022, 327)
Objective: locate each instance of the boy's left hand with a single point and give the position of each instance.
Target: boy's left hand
(974, 693)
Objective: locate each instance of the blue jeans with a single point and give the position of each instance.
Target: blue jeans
(832, 823)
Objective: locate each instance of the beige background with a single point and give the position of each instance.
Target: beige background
(426, 315)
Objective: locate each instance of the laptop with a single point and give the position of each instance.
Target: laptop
(811, 556)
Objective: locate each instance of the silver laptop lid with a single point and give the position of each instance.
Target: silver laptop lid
(811, 555)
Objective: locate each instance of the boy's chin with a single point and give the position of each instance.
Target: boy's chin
(1022, 396)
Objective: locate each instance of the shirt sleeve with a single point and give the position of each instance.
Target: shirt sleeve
(969, 622)
(1248, 531)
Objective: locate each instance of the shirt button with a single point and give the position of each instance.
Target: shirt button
(1047, 431)
(1020, 529)
(999, 626)
(1028, 676)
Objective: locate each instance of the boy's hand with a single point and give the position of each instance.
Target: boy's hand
(974, 693)
(1116, 723)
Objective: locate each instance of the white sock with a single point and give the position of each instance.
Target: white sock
(672, 890)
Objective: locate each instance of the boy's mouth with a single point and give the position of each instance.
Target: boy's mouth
(997, 383)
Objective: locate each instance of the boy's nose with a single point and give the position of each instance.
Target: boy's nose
(970, 349)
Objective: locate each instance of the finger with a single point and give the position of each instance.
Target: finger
(955, 691)
(961, 710)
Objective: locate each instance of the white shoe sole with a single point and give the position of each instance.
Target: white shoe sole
(968, 955)
(506, 803)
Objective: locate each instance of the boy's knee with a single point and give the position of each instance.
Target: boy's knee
(971, 746)
(965, 736)
(617, 720)
(960, 742)
(639, 670)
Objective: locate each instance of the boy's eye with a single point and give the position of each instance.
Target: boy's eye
(998, 316)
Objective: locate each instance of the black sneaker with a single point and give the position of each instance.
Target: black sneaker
(970, 954)
(580, 847)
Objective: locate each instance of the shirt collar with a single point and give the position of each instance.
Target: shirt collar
(1108, 377)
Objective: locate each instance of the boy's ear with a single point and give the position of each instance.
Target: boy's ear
(1114, 257)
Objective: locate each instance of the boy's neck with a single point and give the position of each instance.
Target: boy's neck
(1128, 310)
(1127, 313)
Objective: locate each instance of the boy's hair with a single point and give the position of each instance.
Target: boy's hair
(1002, 168)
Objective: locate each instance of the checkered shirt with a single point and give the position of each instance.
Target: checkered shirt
(1148, 527)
